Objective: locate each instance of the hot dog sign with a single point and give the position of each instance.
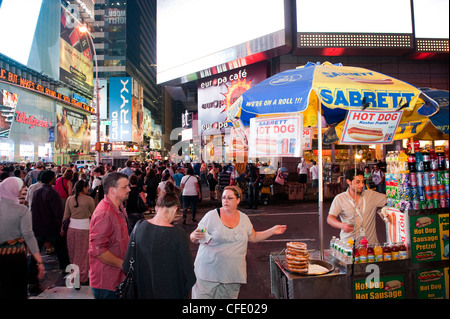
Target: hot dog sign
(370, 127)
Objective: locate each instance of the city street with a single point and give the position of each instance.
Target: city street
(301, 218)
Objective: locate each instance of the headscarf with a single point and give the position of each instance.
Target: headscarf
(10, 187)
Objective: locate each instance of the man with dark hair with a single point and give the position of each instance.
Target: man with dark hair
(128, 170)
(47, 212)
(356, 209)
(108, 237)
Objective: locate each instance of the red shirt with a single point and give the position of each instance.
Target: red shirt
(108, 231)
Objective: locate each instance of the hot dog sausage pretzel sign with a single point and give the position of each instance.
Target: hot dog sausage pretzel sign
(370, 127)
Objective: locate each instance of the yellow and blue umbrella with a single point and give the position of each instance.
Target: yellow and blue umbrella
(337, 88)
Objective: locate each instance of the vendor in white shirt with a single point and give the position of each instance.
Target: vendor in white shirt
(356, 222)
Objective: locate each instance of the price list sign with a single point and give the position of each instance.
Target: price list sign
(429, 237)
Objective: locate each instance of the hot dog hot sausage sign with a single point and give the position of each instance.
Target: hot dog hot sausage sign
(370, 127)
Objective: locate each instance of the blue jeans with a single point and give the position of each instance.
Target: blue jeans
(103, 293)
(190, 200)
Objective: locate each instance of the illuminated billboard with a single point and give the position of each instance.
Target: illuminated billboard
(201, 38)
(120, 109)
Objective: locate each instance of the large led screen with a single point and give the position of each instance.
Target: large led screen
(198, 35)
(29, 33)
(431, 19)
(354, 16)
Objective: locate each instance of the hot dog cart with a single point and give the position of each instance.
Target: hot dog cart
(424, 275)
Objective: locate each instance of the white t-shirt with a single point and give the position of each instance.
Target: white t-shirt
(189, 182)
(314, 172)
(223, 258)
(303, 168)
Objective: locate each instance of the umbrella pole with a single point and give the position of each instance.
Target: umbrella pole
(319, 116)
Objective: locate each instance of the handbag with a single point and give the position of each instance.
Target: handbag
(127, 289)
(279, 180)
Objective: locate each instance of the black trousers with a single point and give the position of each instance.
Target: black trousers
(253, 195)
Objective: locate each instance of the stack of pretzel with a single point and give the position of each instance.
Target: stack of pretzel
(297, 257)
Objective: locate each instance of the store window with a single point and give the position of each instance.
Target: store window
(6, 151)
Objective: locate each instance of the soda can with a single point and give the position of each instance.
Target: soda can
(421, 193)
(430, 204)
(413, 179)
(434, 192)
(441, 191)
(440, 177)
(405, 180)
(407, 194)
(420, 179)
(423, 204)
(428, 193)
(426, 179)
(292, 146)
(447, 190)
(393, 192)
(433, 181)
(284, 146)
(414, 193)
(446, 178)
(442, 202)
(415, 204)
(436, 203)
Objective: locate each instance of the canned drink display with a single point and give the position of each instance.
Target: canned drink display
(430, 204)
(413, 179)
(405, 180)
(441, 191)
(446, 178)
(447, 190)
(442, 202)
(423, 204)
(436, 203)
(440, 177)
(433, 181)
(414, 193)
(420, 179)
(426, 179)
(415, 204)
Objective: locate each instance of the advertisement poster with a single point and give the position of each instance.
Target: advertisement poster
(76, 65)
(433, 283)
(73, 129)
(217, 93)
(8, 104)
(370, 127)
(397, 228)
(120, 106)
(276, 136)
(392, 287)
(429, 237)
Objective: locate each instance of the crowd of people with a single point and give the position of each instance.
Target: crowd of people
(86, 214)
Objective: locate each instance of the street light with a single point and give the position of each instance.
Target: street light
(83, 29)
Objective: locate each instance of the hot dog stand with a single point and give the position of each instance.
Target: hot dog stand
(424, 275)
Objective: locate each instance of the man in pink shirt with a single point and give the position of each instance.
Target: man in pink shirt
(108, 238)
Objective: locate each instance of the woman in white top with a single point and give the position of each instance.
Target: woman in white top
(190, 190)
(223, 234)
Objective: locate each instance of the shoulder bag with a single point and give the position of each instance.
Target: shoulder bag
(127, 289)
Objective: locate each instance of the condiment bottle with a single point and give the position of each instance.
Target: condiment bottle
(370, 254)
(362, 254)
(386, 252)
(378, 250)
(403, 252)
(394, 252)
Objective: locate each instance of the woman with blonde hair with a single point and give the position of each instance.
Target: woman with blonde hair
(223, 235)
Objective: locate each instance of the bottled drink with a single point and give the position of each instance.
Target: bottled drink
(411, 162)
(332, 243)
(387, 252)
(370, 254)
(426, 160)
(378, 250)
(395, 163)
(403, 162)
(447, 164)
(403, 252)
(419, 161)
(362, 254)
(356, 254)
(433, 161)
(440, 158)
(364, 242)
(394, 252)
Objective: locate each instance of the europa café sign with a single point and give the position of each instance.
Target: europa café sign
(9, 77)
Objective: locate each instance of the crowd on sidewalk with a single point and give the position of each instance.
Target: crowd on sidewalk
(85, 215)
